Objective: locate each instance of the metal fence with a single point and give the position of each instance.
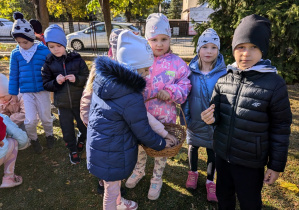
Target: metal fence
(90, 37)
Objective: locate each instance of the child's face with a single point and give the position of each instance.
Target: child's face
(247, 55)
(208, 53)
(160, 44)
(5, 99)
(24, 43)
(143, 72)
(56, 49)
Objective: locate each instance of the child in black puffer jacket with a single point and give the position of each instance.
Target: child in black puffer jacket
(251, 111)
(65, 73)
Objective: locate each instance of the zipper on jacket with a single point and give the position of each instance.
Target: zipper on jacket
(67, 85)
(232, 121)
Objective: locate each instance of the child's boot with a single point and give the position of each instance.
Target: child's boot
(50, 141)
(36, 146)
(155, 189)
(211, 191)
(126, 205)
(11, 181)
(74, 158)
(192, 180)
(134, 178)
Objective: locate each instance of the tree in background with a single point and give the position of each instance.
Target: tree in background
(175, 9)
(69, 9)
(284, 43)
(41, 12)
(7, 8)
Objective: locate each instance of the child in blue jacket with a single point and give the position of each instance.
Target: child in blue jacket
(26, 61)
(118, 118)
(207, 66)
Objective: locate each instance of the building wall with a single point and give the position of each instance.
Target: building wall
(186, 5)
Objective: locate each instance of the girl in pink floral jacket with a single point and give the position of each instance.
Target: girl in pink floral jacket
(168, 82)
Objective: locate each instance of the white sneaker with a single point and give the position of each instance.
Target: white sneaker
(126, 205)
(134, 179)
(155, 189)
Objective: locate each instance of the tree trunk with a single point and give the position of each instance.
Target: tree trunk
(128, 12)
(71, 22)
(105, 6)
(41, 12)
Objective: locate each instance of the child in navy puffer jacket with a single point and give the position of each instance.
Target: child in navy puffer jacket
(118, 118)
(26, 61)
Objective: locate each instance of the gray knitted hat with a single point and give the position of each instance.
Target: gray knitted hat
(156, 24)
(208, 36)
(22, 28)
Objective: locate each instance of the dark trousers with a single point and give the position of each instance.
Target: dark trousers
(246, 182)
(66, 119)
(193, 160)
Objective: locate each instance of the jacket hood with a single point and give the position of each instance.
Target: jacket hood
(70, 55)
(114, 80)
(218, 67)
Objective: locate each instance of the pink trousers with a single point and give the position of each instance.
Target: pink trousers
(9, 160)
(112, 195)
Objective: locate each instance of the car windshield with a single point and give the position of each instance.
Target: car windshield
(133, 28)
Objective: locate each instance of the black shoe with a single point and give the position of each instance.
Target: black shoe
(36, 146)
(101, 189)
(50, 141)
(80, 147)
(74, 158)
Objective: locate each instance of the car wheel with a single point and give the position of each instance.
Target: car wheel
(77, 45)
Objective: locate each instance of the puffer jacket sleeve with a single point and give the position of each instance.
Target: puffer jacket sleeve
(186, 110)
(13, 87)
(135, 115)
(16, 133)
(19, 117)
(81, 78)
(182, 86)
(85, 106)
(49, 80)
(215, 99)
(281, 119)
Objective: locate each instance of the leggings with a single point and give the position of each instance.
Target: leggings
(193, 160)
(9, 159)
(112, 195)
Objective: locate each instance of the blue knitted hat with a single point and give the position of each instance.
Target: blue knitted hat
(55, 33)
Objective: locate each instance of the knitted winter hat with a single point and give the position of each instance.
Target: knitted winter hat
(37, 26)
(3, 85)
(208, 36)
(55, 33)
(156, 24)
(113, 41)
(253, 29)
(22, 28)
(134, 51)
(2, 129)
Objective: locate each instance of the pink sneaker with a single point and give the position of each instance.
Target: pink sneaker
(135, 177)
(126, 205)
(211, 192)
(192, 180)
(11, 181)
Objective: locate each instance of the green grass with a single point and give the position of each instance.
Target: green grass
(4, 47)
(51, 182)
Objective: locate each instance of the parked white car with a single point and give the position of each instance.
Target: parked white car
(91, 37)
(5, 27)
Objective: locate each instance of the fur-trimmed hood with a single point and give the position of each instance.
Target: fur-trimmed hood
(114, 80)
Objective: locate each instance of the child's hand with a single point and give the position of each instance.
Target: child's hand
(271, 176)
(169, 143)
(208, 115)
(60, 79)
(174, 140)
(70, 78)
(1, 143)
(163, 95)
